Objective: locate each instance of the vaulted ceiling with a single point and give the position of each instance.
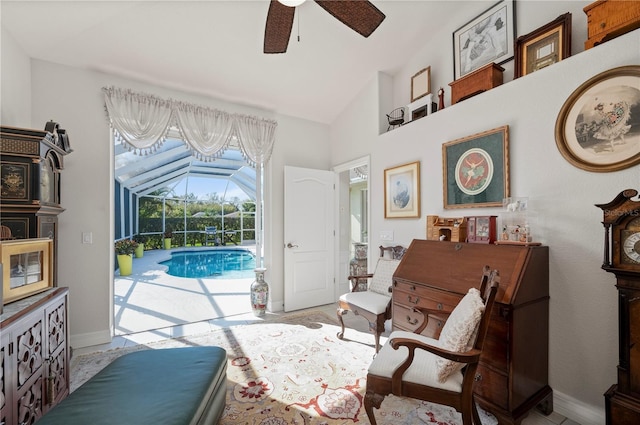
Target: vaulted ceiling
(215, 48)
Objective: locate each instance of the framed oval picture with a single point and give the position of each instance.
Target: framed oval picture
(598, 127)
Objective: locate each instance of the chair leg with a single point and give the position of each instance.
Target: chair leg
(372, 400)
(474, 411)
(341, 312)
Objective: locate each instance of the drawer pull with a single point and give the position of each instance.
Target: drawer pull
(413, 300)
(412, 322)
(478, 377)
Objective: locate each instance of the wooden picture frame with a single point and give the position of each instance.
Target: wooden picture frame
(28, 267)
(402, 191)
(595, 129)
(545, 46)
(421, 84)
(476, 170)
(489, 37)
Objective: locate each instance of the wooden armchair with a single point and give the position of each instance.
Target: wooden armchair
(441, 371)
(374, 304)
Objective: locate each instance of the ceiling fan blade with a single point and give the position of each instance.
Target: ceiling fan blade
(277, 31)
(359, 15)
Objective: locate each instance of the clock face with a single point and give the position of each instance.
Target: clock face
(630, 238)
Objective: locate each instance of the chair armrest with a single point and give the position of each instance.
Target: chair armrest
(425, 312)
(471, 356)
(354, 279)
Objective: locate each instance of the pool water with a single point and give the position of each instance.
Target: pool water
(217, 264)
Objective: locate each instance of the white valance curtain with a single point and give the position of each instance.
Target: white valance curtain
(142, 121)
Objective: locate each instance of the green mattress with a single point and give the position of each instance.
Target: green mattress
(174, 386)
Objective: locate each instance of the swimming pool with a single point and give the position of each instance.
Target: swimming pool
(215, 263)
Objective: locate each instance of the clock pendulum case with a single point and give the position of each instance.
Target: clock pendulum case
(622, 258)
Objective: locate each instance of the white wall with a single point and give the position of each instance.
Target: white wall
(15, 82)
(583, 316)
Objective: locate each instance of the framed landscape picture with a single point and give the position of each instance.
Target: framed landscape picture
(598, 128)
(402, 191)
(476, 170)
(489, 37)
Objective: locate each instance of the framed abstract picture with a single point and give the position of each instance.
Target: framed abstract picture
(489, 37)
(402, 191)
(476, 170)
(597, 128)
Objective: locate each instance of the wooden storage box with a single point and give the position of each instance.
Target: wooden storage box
(607, 19)
(483, 79)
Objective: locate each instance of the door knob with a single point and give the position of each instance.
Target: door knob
(290, 245)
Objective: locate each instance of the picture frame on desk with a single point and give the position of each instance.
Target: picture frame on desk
(489, 37)
(544, 46)
(595, 129)
(476, 170)
(402, 191)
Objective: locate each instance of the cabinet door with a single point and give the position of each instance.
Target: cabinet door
(28, 339)
(57, 359)
(6, 395)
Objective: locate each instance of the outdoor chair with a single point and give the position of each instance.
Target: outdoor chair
(211, 235)
(374, 304)
(442, 370)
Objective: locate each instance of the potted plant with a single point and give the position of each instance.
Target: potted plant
(125, 248)
(168, 233)
(139, 239)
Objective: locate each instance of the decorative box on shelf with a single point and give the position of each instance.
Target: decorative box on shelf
(480, 80)
(608, 19)
(452, 229)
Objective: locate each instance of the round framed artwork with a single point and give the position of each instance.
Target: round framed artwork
(598, 127)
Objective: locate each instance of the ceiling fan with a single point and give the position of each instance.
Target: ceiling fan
(359, 15)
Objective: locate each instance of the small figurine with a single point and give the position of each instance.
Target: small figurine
(440, 99)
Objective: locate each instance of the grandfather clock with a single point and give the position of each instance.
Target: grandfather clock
(622, 258)
(30, 164)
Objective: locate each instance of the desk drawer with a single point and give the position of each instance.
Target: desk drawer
(492, 386)
(425, 297)
(404, 318)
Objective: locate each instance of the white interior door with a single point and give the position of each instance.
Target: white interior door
(309, 234)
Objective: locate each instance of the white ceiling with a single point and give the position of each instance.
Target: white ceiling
(214, 47)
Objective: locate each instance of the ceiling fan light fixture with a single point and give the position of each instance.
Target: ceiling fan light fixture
(292, 3)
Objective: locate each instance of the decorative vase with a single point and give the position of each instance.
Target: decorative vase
(259, 293)
(125, 264)
(140, 250)
(167, 243)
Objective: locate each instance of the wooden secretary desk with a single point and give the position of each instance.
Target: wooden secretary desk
(512, 376)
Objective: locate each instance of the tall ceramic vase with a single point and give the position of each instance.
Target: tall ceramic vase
(259, 293)
(125, 264)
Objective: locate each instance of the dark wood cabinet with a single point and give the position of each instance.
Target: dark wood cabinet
(30, 165)
(34, 353)
(512, 377)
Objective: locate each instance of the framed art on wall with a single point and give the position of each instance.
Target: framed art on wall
(597, 128)
(489, 37)
(545, 46)
(476, 170)
(402, 191)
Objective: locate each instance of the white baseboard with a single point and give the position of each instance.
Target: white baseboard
(89, 339)
(577, 411)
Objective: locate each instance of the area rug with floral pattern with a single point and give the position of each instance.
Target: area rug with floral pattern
(293, 372)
